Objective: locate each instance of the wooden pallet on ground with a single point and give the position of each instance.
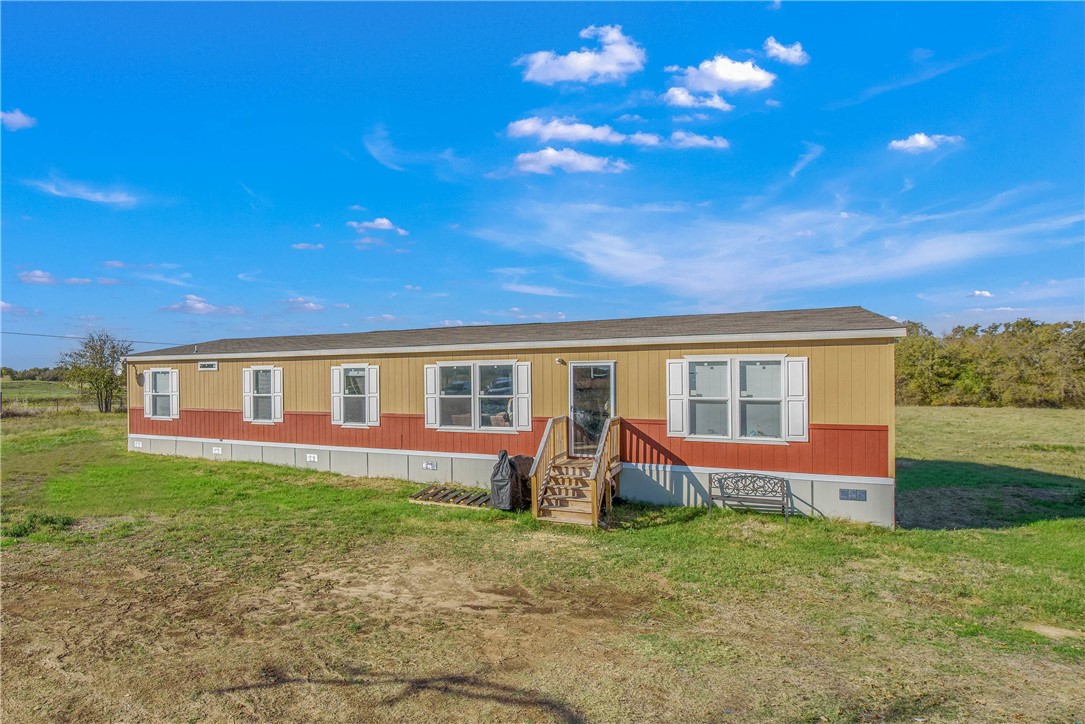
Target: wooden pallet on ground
(452, 496)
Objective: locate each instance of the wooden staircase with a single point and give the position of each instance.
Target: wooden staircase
(576, 490)
(565, 491)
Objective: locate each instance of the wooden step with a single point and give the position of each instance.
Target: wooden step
(570, 504)
(567, 481)
(566, 493)
(565, 516)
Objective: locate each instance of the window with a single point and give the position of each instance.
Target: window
(479, 396)
(160, 398)
(262, 390)
(356, 395)
(740, 398)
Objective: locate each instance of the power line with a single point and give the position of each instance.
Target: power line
(65, 336)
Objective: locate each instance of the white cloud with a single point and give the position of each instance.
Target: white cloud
(630, 117)
(772, 103)
(192, 304)
(618, 57)
(115, 264)
(755, 247)
(563, 129)
(682, 98)
(303, 304)
(181, 280)
(685, 139)
(412, 287)
(518, 313)
(379, 224)
(461, 323)
(37, 277)
(77, 281)
(16, 120)
(813, 150)
(108, 281)
(381, 149)
(791, 54)
(922, 143)
(568, 160)
(307, 247)
(76, 190)
(723, 74)
(539, 291)
(980, 293)
(385, 318)
(569, 130)
(690, 117)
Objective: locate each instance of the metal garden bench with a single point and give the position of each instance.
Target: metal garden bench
(750, 489)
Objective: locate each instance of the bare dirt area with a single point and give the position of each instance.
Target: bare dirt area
(119, 631)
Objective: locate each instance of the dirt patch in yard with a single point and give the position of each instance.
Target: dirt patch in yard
(120, 631)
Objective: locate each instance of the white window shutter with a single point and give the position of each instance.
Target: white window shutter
(147, 402)
(677, 399)
(431, 395)
(373, 395)
(337, 395)
(277, 394)
(175, 397)
(797, 402)
(522, 417)
(246, 394)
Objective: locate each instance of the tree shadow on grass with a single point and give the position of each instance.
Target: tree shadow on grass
(942, 494)
(453, 686)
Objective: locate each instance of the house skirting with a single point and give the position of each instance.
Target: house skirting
(869, 499)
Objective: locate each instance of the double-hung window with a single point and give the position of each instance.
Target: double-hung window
(479, 396)
(738, 398)
(160, 394)
(356, 395)
(262, 392)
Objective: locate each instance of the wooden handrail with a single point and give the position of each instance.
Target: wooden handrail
(609, 449)
(554, 442)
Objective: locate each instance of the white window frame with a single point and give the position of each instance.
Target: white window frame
(519, 398)
(371, 395)
(248, 375)
(734, 400)
(173, 393)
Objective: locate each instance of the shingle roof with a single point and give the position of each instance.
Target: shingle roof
(802, 321)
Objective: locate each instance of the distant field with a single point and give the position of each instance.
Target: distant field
(37, 392)
(139, 587)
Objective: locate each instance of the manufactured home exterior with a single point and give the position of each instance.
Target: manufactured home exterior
(806, 395)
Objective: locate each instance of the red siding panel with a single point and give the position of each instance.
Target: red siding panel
(832, 449)
(396, 432)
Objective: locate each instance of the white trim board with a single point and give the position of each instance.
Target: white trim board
(332, 448)
(648, 468)
(889, 333)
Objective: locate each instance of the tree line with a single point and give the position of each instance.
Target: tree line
(1016, 364)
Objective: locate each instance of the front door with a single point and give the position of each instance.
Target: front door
(591, 403)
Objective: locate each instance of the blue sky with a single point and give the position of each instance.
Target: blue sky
(182, 172)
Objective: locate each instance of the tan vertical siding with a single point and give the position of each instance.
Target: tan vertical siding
(851, 382)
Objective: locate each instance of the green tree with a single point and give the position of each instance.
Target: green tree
(91, 366)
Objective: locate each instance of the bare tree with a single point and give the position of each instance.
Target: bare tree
(91, 366)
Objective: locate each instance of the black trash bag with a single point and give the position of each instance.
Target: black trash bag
(501, 482)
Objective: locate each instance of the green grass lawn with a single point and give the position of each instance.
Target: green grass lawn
(37, 393)
(145, 587)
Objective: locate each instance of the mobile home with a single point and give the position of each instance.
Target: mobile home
(805, 395)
